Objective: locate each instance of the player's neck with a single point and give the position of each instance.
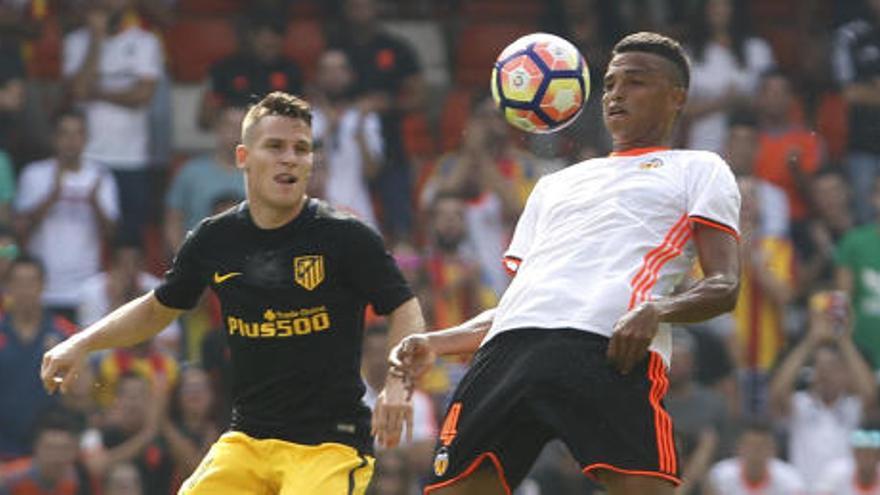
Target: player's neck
(623, 146)
(268, 217)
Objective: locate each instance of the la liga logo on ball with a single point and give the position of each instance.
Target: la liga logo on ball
(540, 83)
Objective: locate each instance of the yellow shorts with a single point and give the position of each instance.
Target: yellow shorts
(240, 465)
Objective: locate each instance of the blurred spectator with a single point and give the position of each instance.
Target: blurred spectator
(841, 387)
(66, 206)
(856, 63)
(204, 179)
(698, 412)
(112, 67)
(144, 360)
(755, 469)
(26, 331)
(858, 474)
(419, 453)
(787, 153)
(740, 151)
(258, 68)
(766, 287)
(858, 273)
(392, 475)
(831, 221)
(9, 250)
(389, 82)
(190, 430)
(124, 281)
(130, 433)
(351, 137)
(495, 177)
(449, 265)
(123, 478)
(52, 470)
(726, 65)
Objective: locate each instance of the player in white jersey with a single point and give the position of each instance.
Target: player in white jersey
(578, 347)
(858, 474)
(755, 470)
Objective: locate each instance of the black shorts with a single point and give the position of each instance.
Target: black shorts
(526, 387)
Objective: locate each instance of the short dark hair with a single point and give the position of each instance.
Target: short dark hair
(660, 45)
(276, 103)
(26, 259)
(56, 419)
(69, 113)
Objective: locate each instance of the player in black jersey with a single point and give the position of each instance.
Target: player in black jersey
(293, 277)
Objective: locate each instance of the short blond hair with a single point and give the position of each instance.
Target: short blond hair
(276, 103)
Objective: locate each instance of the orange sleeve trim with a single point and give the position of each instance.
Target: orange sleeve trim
(639, 151)
(713, 223)
(511, 264)
(473, 467)
(654, 474)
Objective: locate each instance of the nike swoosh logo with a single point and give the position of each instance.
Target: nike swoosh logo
(219, 279)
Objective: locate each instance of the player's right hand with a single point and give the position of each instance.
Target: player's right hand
(413, 355)
(61, 365)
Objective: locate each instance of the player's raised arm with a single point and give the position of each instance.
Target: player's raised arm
(129, 324)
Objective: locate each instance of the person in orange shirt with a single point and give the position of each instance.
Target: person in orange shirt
(788, 153)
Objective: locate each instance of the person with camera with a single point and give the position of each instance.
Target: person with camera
(841, 388)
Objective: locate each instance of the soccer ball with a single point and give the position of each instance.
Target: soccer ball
(540, 83)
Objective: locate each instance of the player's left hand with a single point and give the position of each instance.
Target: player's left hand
(393, 412)
(633, 334)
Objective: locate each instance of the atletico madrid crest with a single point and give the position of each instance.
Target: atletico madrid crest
(308, 271)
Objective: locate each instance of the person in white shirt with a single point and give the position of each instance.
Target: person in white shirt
(112, 67)
(124, 281)
(858, 474)
(66, 208)
(727, 65)
(350, 136)
(822, 418)
(755, 470)
(579, 345)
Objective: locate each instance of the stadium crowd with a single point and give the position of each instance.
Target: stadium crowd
(118, 120)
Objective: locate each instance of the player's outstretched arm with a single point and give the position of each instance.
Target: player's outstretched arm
(716, 293)
(416, 353)
(129, 324)
(393, 412)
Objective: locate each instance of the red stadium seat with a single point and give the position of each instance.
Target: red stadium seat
(509, 10)
(304, 42)
(456, 110)
(479, 45)
(194, 44)
(43, 56)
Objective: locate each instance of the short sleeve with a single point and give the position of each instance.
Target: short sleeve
(74, 52)
(713, 197)
(372, 270)
(184, 282)
(32, 189)
(7, 179)
(149, 55)
(843, 254)
(524, 233)
(108, 197)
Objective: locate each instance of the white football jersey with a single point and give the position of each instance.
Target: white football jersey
(726, 478)
(600, 237)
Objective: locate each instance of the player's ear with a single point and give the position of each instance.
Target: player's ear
(679, 97)
(241, 153)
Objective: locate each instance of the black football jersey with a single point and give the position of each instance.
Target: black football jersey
(293, 301)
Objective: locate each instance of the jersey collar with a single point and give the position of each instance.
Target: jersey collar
(639, 151)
